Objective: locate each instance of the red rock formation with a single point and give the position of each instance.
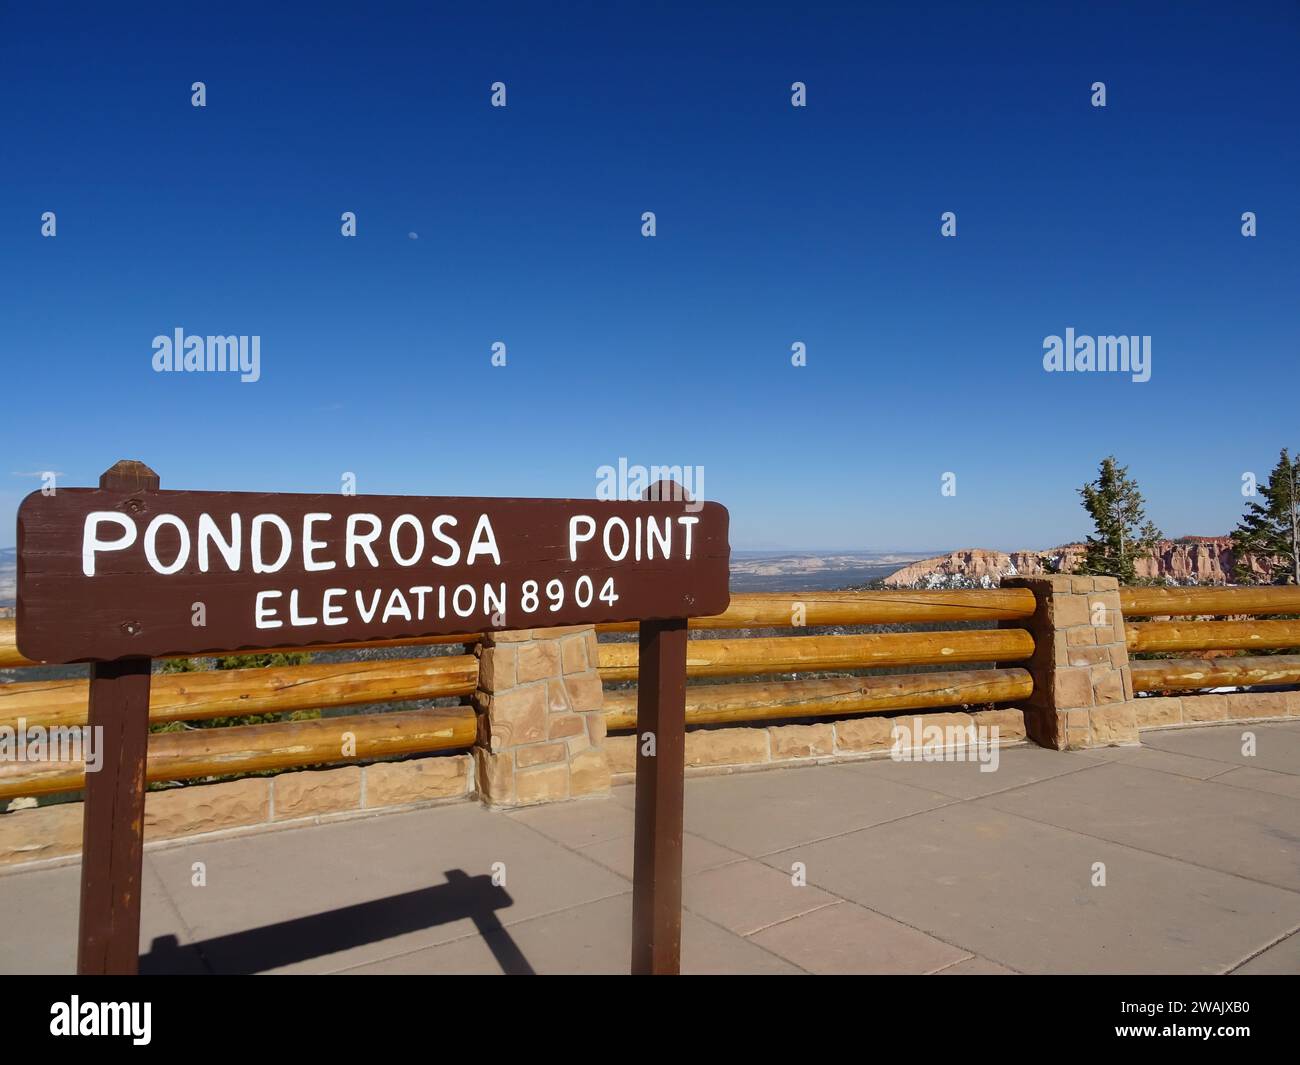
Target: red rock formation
(1190, 560)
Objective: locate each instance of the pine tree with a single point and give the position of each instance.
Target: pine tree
(1123, 533)
(1271, 529)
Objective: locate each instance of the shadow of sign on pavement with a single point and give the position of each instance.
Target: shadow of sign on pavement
(318, 935)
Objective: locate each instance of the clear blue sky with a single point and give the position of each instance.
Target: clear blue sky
(775, 225)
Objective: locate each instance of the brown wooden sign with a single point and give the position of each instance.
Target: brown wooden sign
(105, 574)
(127, 572)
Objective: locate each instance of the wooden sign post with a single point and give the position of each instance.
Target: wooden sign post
(125, 573)
(112, 828)
(657, 848)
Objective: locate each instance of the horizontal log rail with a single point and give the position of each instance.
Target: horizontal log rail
(756, 610)
(248, 748)
(270, 690)
(1187, 674)
(10, 658)
(1155, 636)
(809, 654)
(1175, 602)
(712, 704)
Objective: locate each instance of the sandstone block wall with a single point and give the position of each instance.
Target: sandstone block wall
(1178, 710)
(28, 835)
(715, 750)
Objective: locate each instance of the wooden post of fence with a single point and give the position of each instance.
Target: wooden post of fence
(112, 842)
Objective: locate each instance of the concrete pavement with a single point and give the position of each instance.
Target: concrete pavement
(1182, 855)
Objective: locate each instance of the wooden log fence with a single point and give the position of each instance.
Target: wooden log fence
(713, 704)
(1162, 636)
(758, 610)
(204, 695)
(279, 745)
(1209, 601)
(1190, 674)
(272, 690)
(812, 654)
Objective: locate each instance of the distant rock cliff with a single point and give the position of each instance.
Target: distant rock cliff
(1190, 560)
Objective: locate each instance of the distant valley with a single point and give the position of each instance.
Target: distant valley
(793, 571)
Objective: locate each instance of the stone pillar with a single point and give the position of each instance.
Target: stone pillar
(1083, 688)
(541, 719)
